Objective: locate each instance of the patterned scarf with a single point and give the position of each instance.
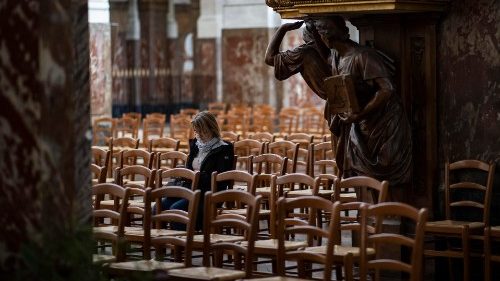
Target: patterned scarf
(205, 147)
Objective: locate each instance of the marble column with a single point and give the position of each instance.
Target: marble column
(45, 136)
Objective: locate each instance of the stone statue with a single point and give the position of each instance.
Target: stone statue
(376, 141)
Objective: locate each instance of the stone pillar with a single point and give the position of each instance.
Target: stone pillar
(205, 67)
(45, 137)
(100, 58)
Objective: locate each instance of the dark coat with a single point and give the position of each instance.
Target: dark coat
(220, 159)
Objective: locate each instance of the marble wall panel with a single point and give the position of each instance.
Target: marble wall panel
(100, 68)
(244, 73)
(44, 141)
(205, 74)
(469, 86)
(469, 73)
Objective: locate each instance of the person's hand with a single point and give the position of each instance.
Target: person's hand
(291, 26)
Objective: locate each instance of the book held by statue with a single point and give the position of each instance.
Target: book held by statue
(341, 94)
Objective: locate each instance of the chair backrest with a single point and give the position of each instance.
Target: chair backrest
(262, 137)
(279, 186)
(216, 222)
(127, 127)
(286, 149)
(461, 177)
(152, 129)
(382, 239)
(104, 216)
(129, 157)
(135, 170)
(181, 176)
(232, 177)
(180, 127)
(322, 159)
(164, 145)
(245, 148)
(172, 159)
(312, 121)
(103, 128)
(363, 185)
(98, 173)
(268, 163)
(100, 157)
(116, 213)
(230, 136)
(188, 219)
(124, 143)
(157, 115)
(291, 226)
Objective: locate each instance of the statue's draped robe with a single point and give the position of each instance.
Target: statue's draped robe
(378, 145)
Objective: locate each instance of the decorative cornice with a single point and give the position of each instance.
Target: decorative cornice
(302, 8)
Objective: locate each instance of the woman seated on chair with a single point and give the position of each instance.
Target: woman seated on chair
(207, 153)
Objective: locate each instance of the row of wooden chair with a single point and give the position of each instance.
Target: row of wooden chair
(263, 247)
(466, 230)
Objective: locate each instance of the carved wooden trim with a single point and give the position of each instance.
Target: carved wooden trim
(303, 8)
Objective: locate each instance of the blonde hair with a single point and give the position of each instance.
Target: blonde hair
(206, 124)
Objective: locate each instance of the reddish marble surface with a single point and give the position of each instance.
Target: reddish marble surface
(44, 141)
(244, 74)
(205, 74)
(100, 69)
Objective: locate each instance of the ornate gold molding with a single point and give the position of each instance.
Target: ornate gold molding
(302, 8)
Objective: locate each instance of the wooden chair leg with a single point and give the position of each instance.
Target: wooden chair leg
(466, 252)
(487, 255)
(348, 268)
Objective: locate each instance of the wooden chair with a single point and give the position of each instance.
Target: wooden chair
(152, 128)
(313, 122)
(148, 176)
(134, 115)
(243, 149)
(98, 174)
(237, 122)
(157, 115)
(215, 223)
(164, 145)
(101, 158)
(103, 128)
(262, 137)
(268, 163)
(116, 145)
(287, 149)
(161, 238)
(304, 140)
(322, 164)
(459, 189)
(181, 129)
(178, 176)
(365, 189)
(127, 127)
(137, 211)
(382, 240)
(291, 226)
(170, 160)
(491, 233)
(302, 185)
(130, 157)
(230, 136)
(113, 232)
